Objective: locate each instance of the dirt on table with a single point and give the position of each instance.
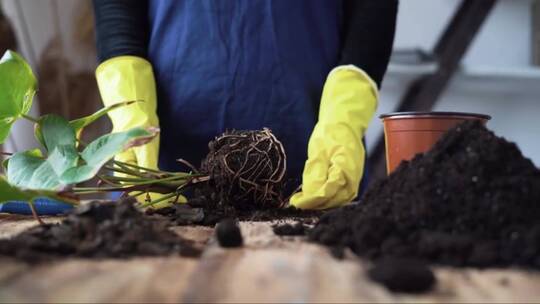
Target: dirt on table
(472, 200)
(403, 275)
(99, 230)
(200, 211)
(290, 229)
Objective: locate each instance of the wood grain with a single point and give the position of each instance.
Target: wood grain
(267, 269)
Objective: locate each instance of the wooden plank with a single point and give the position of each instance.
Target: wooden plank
(75, 280)
(11, 224)
(271, 269)
(267, 269)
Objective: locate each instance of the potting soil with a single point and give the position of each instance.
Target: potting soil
(287, 229)
(403, 275)
(98, 230)
(201, 211)
(472, 200)
(229, 234)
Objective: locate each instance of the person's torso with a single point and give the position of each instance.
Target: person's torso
(240, 64)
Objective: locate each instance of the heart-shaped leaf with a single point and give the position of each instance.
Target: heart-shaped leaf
(34, 172)
(13, 193)
(103, 149)
(33, 152)
(21, 166)
(17, 89)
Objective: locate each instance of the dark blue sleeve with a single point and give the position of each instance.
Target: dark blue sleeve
(369, 29)
(121, 28)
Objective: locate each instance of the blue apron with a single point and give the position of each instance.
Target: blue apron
(244, 65)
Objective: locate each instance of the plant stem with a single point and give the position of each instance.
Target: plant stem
(128, 172)
(123, 179)
(30, 118)
(156, 181)
(34, 213)
(161, 199)
(88, 190)
(123, 164)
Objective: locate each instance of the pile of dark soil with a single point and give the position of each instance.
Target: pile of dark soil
(473, 200)
(98, 230)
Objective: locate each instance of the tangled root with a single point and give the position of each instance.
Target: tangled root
(247, 169)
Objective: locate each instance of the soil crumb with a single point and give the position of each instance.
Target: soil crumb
(228, 234)
(472, 200)
(287, 229)
(403, 275)
(98, 230)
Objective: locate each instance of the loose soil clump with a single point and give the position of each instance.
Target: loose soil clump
(98, 230)
(403, 275)
(472, 200)
(228, 234)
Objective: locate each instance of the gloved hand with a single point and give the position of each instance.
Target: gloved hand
(126, 78)
(335, 164)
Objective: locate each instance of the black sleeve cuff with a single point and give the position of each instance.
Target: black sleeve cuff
(121, 28)
(369, 29)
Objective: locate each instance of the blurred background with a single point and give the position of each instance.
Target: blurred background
(474, 56)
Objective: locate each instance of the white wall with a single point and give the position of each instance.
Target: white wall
(34, 26)
(496, 77)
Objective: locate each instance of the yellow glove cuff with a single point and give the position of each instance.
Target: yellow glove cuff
(127, 78)
(350, 91)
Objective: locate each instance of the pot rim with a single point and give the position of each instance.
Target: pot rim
(448, 114)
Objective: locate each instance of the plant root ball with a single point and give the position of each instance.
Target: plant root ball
(246, 169)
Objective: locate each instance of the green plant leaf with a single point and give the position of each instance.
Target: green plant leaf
(80, 123)
(32, 152)
(21, 166)
(13, 193)
(63, 158)
(103, 149)
(33, 172)
(53, 131)
(17, 89)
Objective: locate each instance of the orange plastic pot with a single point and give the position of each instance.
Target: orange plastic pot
(409, 133)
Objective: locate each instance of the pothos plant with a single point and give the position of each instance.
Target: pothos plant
(243, 168)
(63, 160)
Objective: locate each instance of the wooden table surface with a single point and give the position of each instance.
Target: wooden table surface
(267, 269)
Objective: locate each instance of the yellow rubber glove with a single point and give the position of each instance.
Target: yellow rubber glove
(126, 78)
(335, 164)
